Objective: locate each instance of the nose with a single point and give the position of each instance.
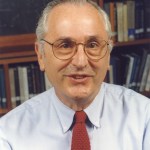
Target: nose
(80, 59)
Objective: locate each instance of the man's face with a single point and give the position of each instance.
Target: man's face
(76, 80)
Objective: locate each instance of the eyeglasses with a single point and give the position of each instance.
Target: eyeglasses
(65, 49)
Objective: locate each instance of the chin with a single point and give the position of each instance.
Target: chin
(80, 93)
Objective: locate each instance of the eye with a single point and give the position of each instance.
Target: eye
(92, 45)
(65, 44)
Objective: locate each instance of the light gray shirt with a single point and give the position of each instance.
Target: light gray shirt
(119, 119)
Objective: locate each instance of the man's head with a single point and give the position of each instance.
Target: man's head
(81, 27)
(42, 24)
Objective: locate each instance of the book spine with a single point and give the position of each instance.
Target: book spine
(113, 20)
(12, 87)
(25, 83)
(141, 68)
(30, 85)
(139, 19)
(2, 88)
(120, 21)
(131, 19)
(147, 86)
(125, 23)
(17, 86)
(146, 18)
(145, 73)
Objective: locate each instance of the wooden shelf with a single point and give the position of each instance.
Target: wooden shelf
(17, 40)
(17, 49)
(16, 54)
(18, 60)
(130, 43)
(29, 39)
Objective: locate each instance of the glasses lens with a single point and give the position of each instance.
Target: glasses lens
(64, 49)
(96, 50)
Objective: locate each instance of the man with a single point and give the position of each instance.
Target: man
(73, 48)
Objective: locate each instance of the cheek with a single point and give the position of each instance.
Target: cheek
(54, 68)
(50, 72)
(101, 68)
(50, 66)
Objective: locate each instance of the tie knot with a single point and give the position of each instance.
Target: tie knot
(80, 117)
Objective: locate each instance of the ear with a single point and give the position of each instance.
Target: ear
(40, 56)
(111, 45)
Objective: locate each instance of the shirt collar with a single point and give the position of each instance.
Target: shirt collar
(93, 111)
(65, 114)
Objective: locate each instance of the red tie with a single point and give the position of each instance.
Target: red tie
(80, 139)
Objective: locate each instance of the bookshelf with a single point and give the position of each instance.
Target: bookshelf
(132, 43)
(16, 49)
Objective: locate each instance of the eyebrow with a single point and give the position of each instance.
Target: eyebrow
(64, 38)
(91, 37)
(94, 37)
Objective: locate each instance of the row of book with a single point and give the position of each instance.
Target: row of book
(26, 81)
(129, 19)
(131, 70)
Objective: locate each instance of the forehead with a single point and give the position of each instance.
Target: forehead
(75, 18)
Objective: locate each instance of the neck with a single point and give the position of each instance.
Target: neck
(77, 104)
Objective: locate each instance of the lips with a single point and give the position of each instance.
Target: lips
(79, 78)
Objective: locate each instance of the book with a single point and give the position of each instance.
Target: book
(37, 79)
(147, 86)
(17, 86)
(139, 19)
(141, 68)
(145, 73)
(131, 19)
(115, 66)
(135, 70)
(2, 89)
(110, 9)
(146, 18)
(119, 6)
(30, 81)
(23, 83)
(12, 87)
(113, 20)
(129, 71)
(125, 23)
(124, 70)
(33, 79)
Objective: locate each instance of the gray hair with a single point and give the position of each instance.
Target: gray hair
(42, 23)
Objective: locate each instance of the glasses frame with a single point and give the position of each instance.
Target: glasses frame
(107, 44)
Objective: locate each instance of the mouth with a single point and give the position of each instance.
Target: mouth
(77, 78)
